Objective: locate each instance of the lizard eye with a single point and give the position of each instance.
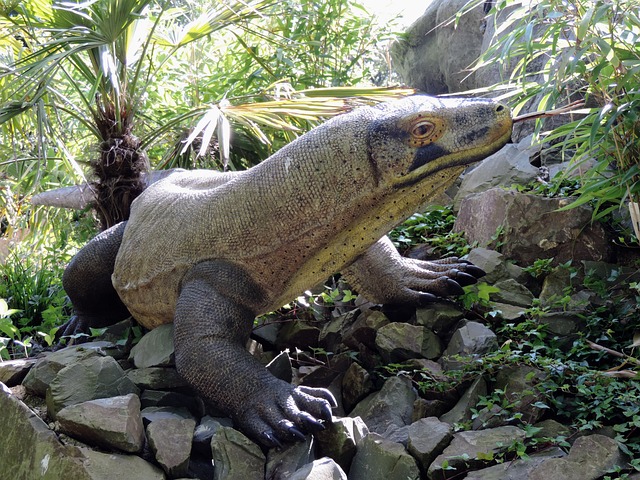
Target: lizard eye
(422, 130)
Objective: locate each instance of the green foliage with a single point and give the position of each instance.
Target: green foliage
(556, 50)
(434, 228)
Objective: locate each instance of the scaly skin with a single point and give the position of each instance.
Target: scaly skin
(211, 251)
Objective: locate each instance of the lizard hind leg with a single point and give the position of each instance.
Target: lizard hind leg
(213, 320)
(87, 281)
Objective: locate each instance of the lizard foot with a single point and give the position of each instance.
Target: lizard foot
(283, 413)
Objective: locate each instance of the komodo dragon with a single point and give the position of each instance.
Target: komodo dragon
(210, 251)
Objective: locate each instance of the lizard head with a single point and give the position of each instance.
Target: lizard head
(418, 136)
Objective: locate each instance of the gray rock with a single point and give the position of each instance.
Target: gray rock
(321, 469)
(552, 429)
(106, 422)
(563, 324)
(472, 338)
(47, 458)
(12, 372)
(519, 382)
(468, 450)
(428, 437)
(507, 312)
(44, 371)
(507, 167)
(120, 333)
(205, 430)
(282, 463)
(152, 414)
(170, 442)
(492, 262)
(590, 458)
(461, 412)
(235, 456)
(156, 378)
(517, 469)
(512, 293)
(298, 334)
(380, 459)
(356, 385)
(439, 317)
(161, 398)
(88, 379)
(280, 367)
(340, 439)
(397, 342)
(532, 227)
(392, 405)
(364, 329)
(155, 349)
(493, 417)
(423, 408)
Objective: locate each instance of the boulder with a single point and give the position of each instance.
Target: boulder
(235, 456)
(519, 382)
(590, 458)
(518, 469)
(283, 462)
(111, 423)
(472, 338)
(392, 405)
(461, 412)
(438, 317)
(531, 227)
(428, 437)
(471, 450)
(170, 441)
(152, 414)
(381, 459)
(88, 379)
(512, 293)
(321, 469)
(12, 372)
(397, 342)
(155, 349)
(356, 385)
(156, 378)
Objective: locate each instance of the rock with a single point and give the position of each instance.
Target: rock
(567, 324)
(156, 378)
(364, 329)
(590, 458)
(470, 450)
(436, 60)
(205, 430)
(519, 382)
(235, 456)
(439, 317)
(356, 385)
(340, 439)
(506, 312)
(531, 227)
(397, 342)
(46, 457)
(423, 408)
(461, 412)
(88, 379)
(170, 442)
(44, 371)
(280, 367)
(509, 166)
(380, 459)
(152, 414)
(472, 338)
(493, 417)
(321, 469)
(392, 405)
(282, 463)
(298, 334)
(428, 437)
(106, 422)
(551, 429)
(161, 398)
(554, 286)
(120, 333)
(12, 372)
(155, 349)
(492, 262)
(512, 293)
(331, 332)
(518, 469)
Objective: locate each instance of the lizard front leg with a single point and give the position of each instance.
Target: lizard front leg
(213, 321)
(382, 275)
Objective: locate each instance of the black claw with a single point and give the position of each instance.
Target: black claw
(312, 425)
(465, 279)
(453, 287)
(427, 298)
(475, 271)
(325, 413)
(296, 433)
(270, 440)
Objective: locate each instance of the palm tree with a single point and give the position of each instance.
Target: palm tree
(90, 64)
